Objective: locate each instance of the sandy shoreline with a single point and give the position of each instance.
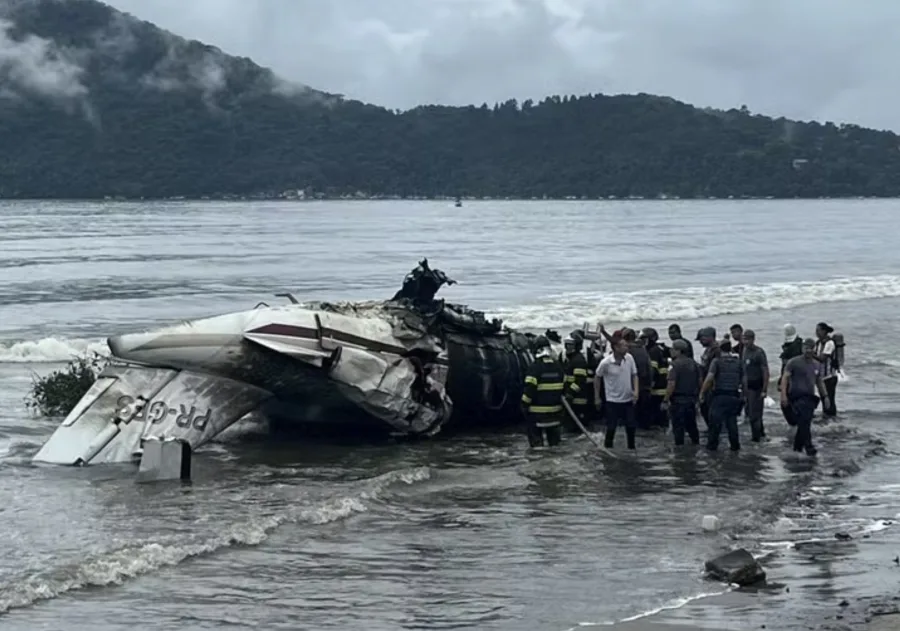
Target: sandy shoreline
(865, 615)
(646, 625)
(889, 622)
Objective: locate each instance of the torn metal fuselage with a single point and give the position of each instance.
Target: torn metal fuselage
(408, 366)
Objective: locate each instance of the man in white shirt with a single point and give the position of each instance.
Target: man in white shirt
(619, 376)
(825, 353)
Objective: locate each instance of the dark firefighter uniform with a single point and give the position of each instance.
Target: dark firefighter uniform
(545, 385)
(659, 363)
(594, 356)
(576, 371)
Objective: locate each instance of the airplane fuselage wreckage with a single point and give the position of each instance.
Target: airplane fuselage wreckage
(409, 366)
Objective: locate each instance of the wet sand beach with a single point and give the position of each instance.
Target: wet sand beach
(870, 614)
(650, 625)
(890, 622)
(879, 623)
(853, 618)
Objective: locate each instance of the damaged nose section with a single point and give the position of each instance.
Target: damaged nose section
(399, 392)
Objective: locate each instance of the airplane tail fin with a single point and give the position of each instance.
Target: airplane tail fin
(131, 403)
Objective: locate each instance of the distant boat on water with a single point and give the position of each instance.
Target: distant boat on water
(458, 203)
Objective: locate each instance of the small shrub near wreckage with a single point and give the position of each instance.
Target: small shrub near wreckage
(57, 393)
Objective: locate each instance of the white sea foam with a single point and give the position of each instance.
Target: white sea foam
(49, 350)
(688, 303)
(856, 529)
(116, 566)
(573, 309)
(669, 606)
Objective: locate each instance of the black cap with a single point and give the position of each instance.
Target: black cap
(824, 326)
(707, 331)
(650, 333)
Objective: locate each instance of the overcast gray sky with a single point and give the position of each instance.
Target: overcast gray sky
(824, 59)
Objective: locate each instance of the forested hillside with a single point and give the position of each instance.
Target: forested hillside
(96, 103)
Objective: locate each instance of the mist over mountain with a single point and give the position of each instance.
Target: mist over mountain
(95, 102)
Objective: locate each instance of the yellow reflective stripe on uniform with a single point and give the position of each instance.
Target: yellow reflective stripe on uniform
(547, 424)
(545, 409)
(570, 378)
(580, 372)
(575, 387)
(526, 399)
(654, 364)
(659, 392)
(530, 379)
(579, 401)
(551, 386)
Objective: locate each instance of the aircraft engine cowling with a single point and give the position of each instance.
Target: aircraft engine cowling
(486, 377)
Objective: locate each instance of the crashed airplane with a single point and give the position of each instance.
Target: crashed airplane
(409, 366)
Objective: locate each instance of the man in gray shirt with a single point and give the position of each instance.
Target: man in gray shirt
(802, 378)
(756, 383)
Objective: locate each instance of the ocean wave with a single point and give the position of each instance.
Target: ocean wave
(573, 309)
(689, 303)
(50, 350)
(116, 566)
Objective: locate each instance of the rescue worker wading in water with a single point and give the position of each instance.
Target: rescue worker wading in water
(707, 338)
(576, 370)
(545, 385)
(659, 363)
(723, 389)
(595, 354)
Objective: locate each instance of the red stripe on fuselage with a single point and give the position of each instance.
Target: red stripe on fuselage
(287, 330)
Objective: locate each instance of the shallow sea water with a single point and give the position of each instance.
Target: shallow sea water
(473, 533)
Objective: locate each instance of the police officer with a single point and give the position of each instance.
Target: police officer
(683, 392)
(659, 363)
(722, 387)
(576, 370)
(545, 384)
(707, 338)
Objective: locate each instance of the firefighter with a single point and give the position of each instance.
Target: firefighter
(659, 362)
(576, 370)
(595, 354)
(545, 384)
